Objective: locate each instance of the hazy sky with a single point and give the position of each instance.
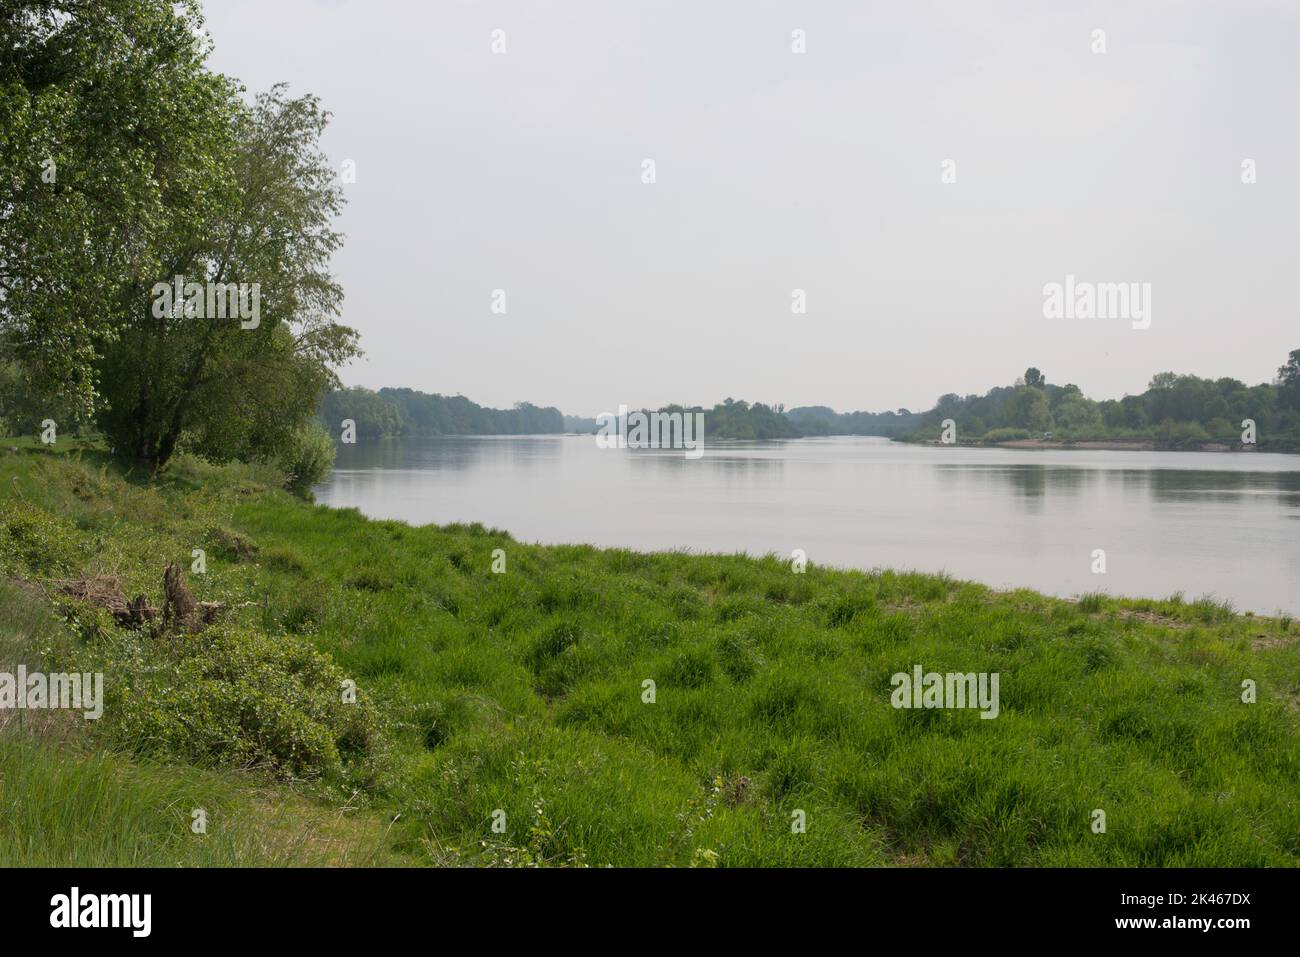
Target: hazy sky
(778, 171)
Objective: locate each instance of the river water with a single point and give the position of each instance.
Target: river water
(1200, 523)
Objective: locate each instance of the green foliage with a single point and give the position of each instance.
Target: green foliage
(732, 419)
(1176, 411)
(101, 131)
(36, 541)
(309, 460)
(1027, 408)
(1179, 432)
(457, 415)
(406, 411)
(820, 420)
(375, 416)
(78, 805)
(1006, 434)
(130, 163)
(21, 413)
(236, 697)
(1288, 382)
(73, 798)
(231, 695)
(1078, 414)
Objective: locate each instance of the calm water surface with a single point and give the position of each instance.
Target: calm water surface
(1201, 523)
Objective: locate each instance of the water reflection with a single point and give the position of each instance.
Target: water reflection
(1026, 481)
(455, 453)
(1030, 481)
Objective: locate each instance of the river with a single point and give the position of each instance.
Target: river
(1200, 523)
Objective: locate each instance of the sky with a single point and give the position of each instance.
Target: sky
(777, 171)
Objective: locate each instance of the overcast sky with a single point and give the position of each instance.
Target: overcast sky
(779, 171)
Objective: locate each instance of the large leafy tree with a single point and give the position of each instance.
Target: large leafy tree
(125, 162)
(232, 388)
(97, 101)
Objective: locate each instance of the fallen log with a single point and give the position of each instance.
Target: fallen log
(180, 611)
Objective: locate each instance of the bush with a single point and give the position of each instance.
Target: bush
(234, 697)
(1006, 435)
(309, 459)
(33, 541)
(1181, 431)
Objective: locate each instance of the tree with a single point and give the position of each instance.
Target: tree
(1079, 414)
(162, 171)
(308, 459)
(1288, 382)
(1026, 408)
(231, 388)
(1034, 379)
(948, 406)
(102, 113)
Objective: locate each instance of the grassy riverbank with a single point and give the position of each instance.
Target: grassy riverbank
(519, 697)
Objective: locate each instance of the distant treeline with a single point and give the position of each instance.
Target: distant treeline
(733, 419)
(391, 412)
(1175, 411)
(820, 420)
(729, 419)
(408, 412)
(736, 419)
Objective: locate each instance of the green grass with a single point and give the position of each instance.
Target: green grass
(522, 693)
(102, 810)
(70, 800)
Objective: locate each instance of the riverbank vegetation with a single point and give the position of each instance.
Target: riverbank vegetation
(737, 419)
(519, 695)
(392, 412)
(1176, 411)
(821, 420)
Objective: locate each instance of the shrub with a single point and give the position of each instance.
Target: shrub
(1006, 435)
(309, 459)
(228, 544)
(33, 540)
(237, 698)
